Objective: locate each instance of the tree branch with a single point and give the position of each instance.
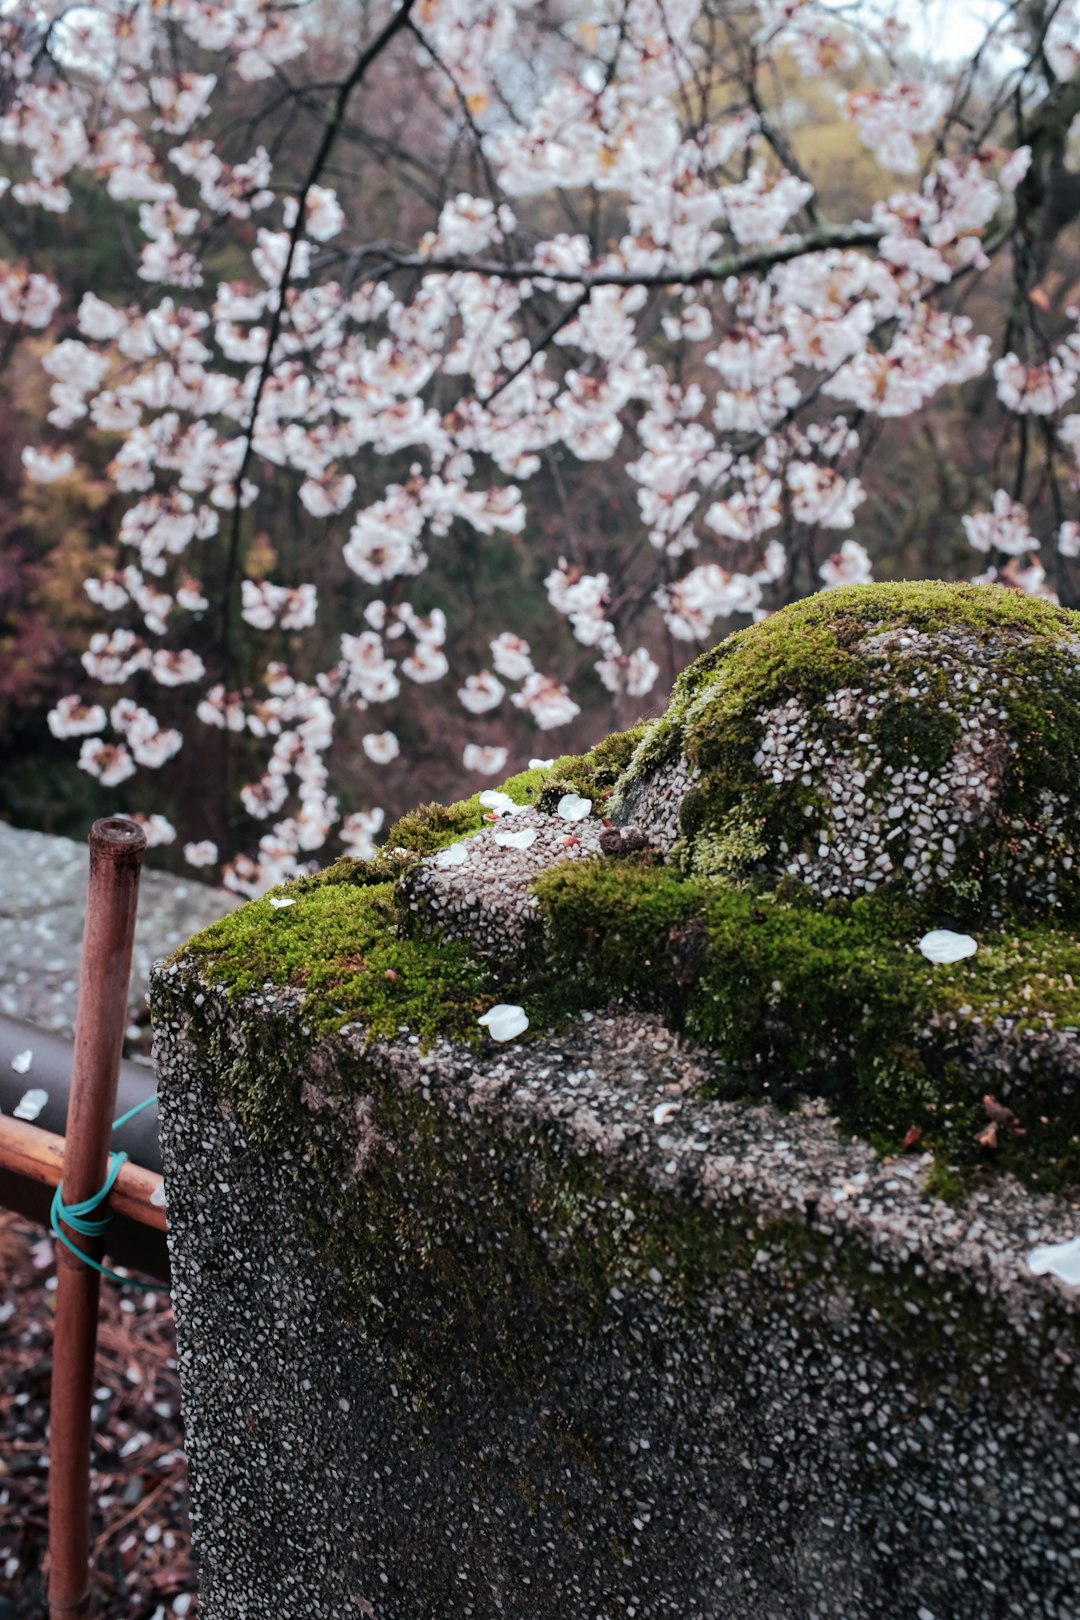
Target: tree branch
(738, 264)
(334, 121)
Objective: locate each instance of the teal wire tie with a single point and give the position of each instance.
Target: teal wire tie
(83, 1219)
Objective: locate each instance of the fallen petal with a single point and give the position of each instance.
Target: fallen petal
(572, 807)
(942, 945)
(501, 803)
(452, 855)
(518, 840)
(31, 1103)
(22, 1060)
(541, 764)
(663, 1112)
(1060, 1259)
(279, 900)
(504, 1021)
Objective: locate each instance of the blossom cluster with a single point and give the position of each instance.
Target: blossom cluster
(721, 343)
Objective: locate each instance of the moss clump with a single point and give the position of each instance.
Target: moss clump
(791, 984)
(432, 826)
(592, 775)
(346, 941)
(339, 946)
(838, 1002)
(350, 871)
(923, 729)
(810, 648)
(937, 725)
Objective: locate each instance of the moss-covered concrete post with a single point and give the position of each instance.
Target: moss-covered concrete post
(617, 1199)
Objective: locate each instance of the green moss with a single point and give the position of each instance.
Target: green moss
(907, 728)
(432, 826)
(734, 851)
(350, 871)
(339, 946)
(345, 942)
(836, 1001)
(826, 645)
(789, 991)
(808, 650)
(945, 1182)
(592, 775)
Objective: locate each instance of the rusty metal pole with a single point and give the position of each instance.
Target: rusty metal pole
(116, 852)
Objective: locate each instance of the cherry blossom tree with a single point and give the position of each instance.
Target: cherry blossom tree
(418, 279)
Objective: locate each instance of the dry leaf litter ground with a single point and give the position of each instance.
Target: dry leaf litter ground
(140, 1536)
(139, 1529)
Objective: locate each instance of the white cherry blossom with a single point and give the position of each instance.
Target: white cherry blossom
(481, 692)
(498, 803)
(1061, 1260)
(510, 655)
(359, 831)
(516, 840)
(848, 566)
(110, 762)
(46, 467)
(203, 853)
(381, 747)
(488, 759)
(452, 855)
(73, 718)
(547, 701)
(470, 385)
(1005, 528)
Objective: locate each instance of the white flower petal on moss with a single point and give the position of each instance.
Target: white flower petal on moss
(279, 900)
(942, 945)
(452, 855)
(1059, 1259)
(22, 1060)
(504, 1021)
(541, 764)
(518, 840)
(31, 1103)
(663, 1112)
(500, 803)
(572, 807)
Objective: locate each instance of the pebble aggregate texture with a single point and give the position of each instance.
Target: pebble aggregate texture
(563, 1360)
(581, 1324)
(903, 749)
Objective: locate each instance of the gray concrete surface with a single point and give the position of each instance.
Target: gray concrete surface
(539, 1331)
(42, 905)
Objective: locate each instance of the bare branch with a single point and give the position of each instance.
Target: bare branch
(826, 237)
